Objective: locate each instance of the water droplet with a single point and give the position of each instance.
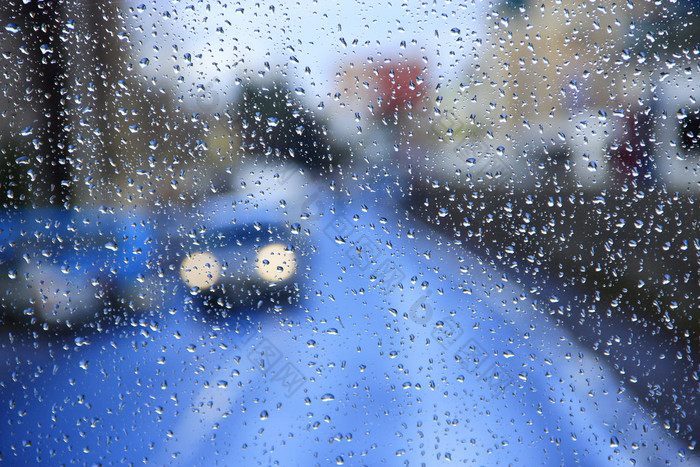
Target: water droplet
(327, 397)
(81, 341)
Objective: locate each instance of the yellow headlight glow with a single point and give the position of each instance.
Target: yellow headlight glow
(275, 263)
(200, 270)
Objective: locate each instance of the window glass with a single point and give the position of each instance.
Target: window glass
(302, 233)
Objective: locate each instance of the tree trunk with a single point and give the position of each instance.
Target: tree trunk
(46, 65)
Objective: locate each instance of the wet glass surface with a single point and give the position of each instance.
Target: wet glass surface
(306, 233)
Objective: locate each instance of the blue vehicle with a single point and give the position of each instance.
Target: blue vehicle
(61, 269)
(235, 257)
(244, 249)
(396, 331)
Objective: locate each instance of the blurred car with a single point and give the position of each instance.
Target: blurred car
(244, 249)
(677, 133)
(60, 269)
(238, 260)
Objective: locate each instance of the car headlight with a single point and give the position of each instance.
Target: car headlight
(275, 263)
(200, 270)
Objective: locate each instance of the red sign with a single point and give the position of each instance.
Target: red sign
(401, 87)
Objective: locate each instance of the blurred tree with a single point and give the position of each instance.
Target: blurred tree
(119, 118)
(78, 117)
(275, 123)
(98, 64)
(14, 191)
(43, 31)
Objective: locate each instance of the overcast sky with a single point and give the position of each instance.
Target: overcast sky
(226, 40)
